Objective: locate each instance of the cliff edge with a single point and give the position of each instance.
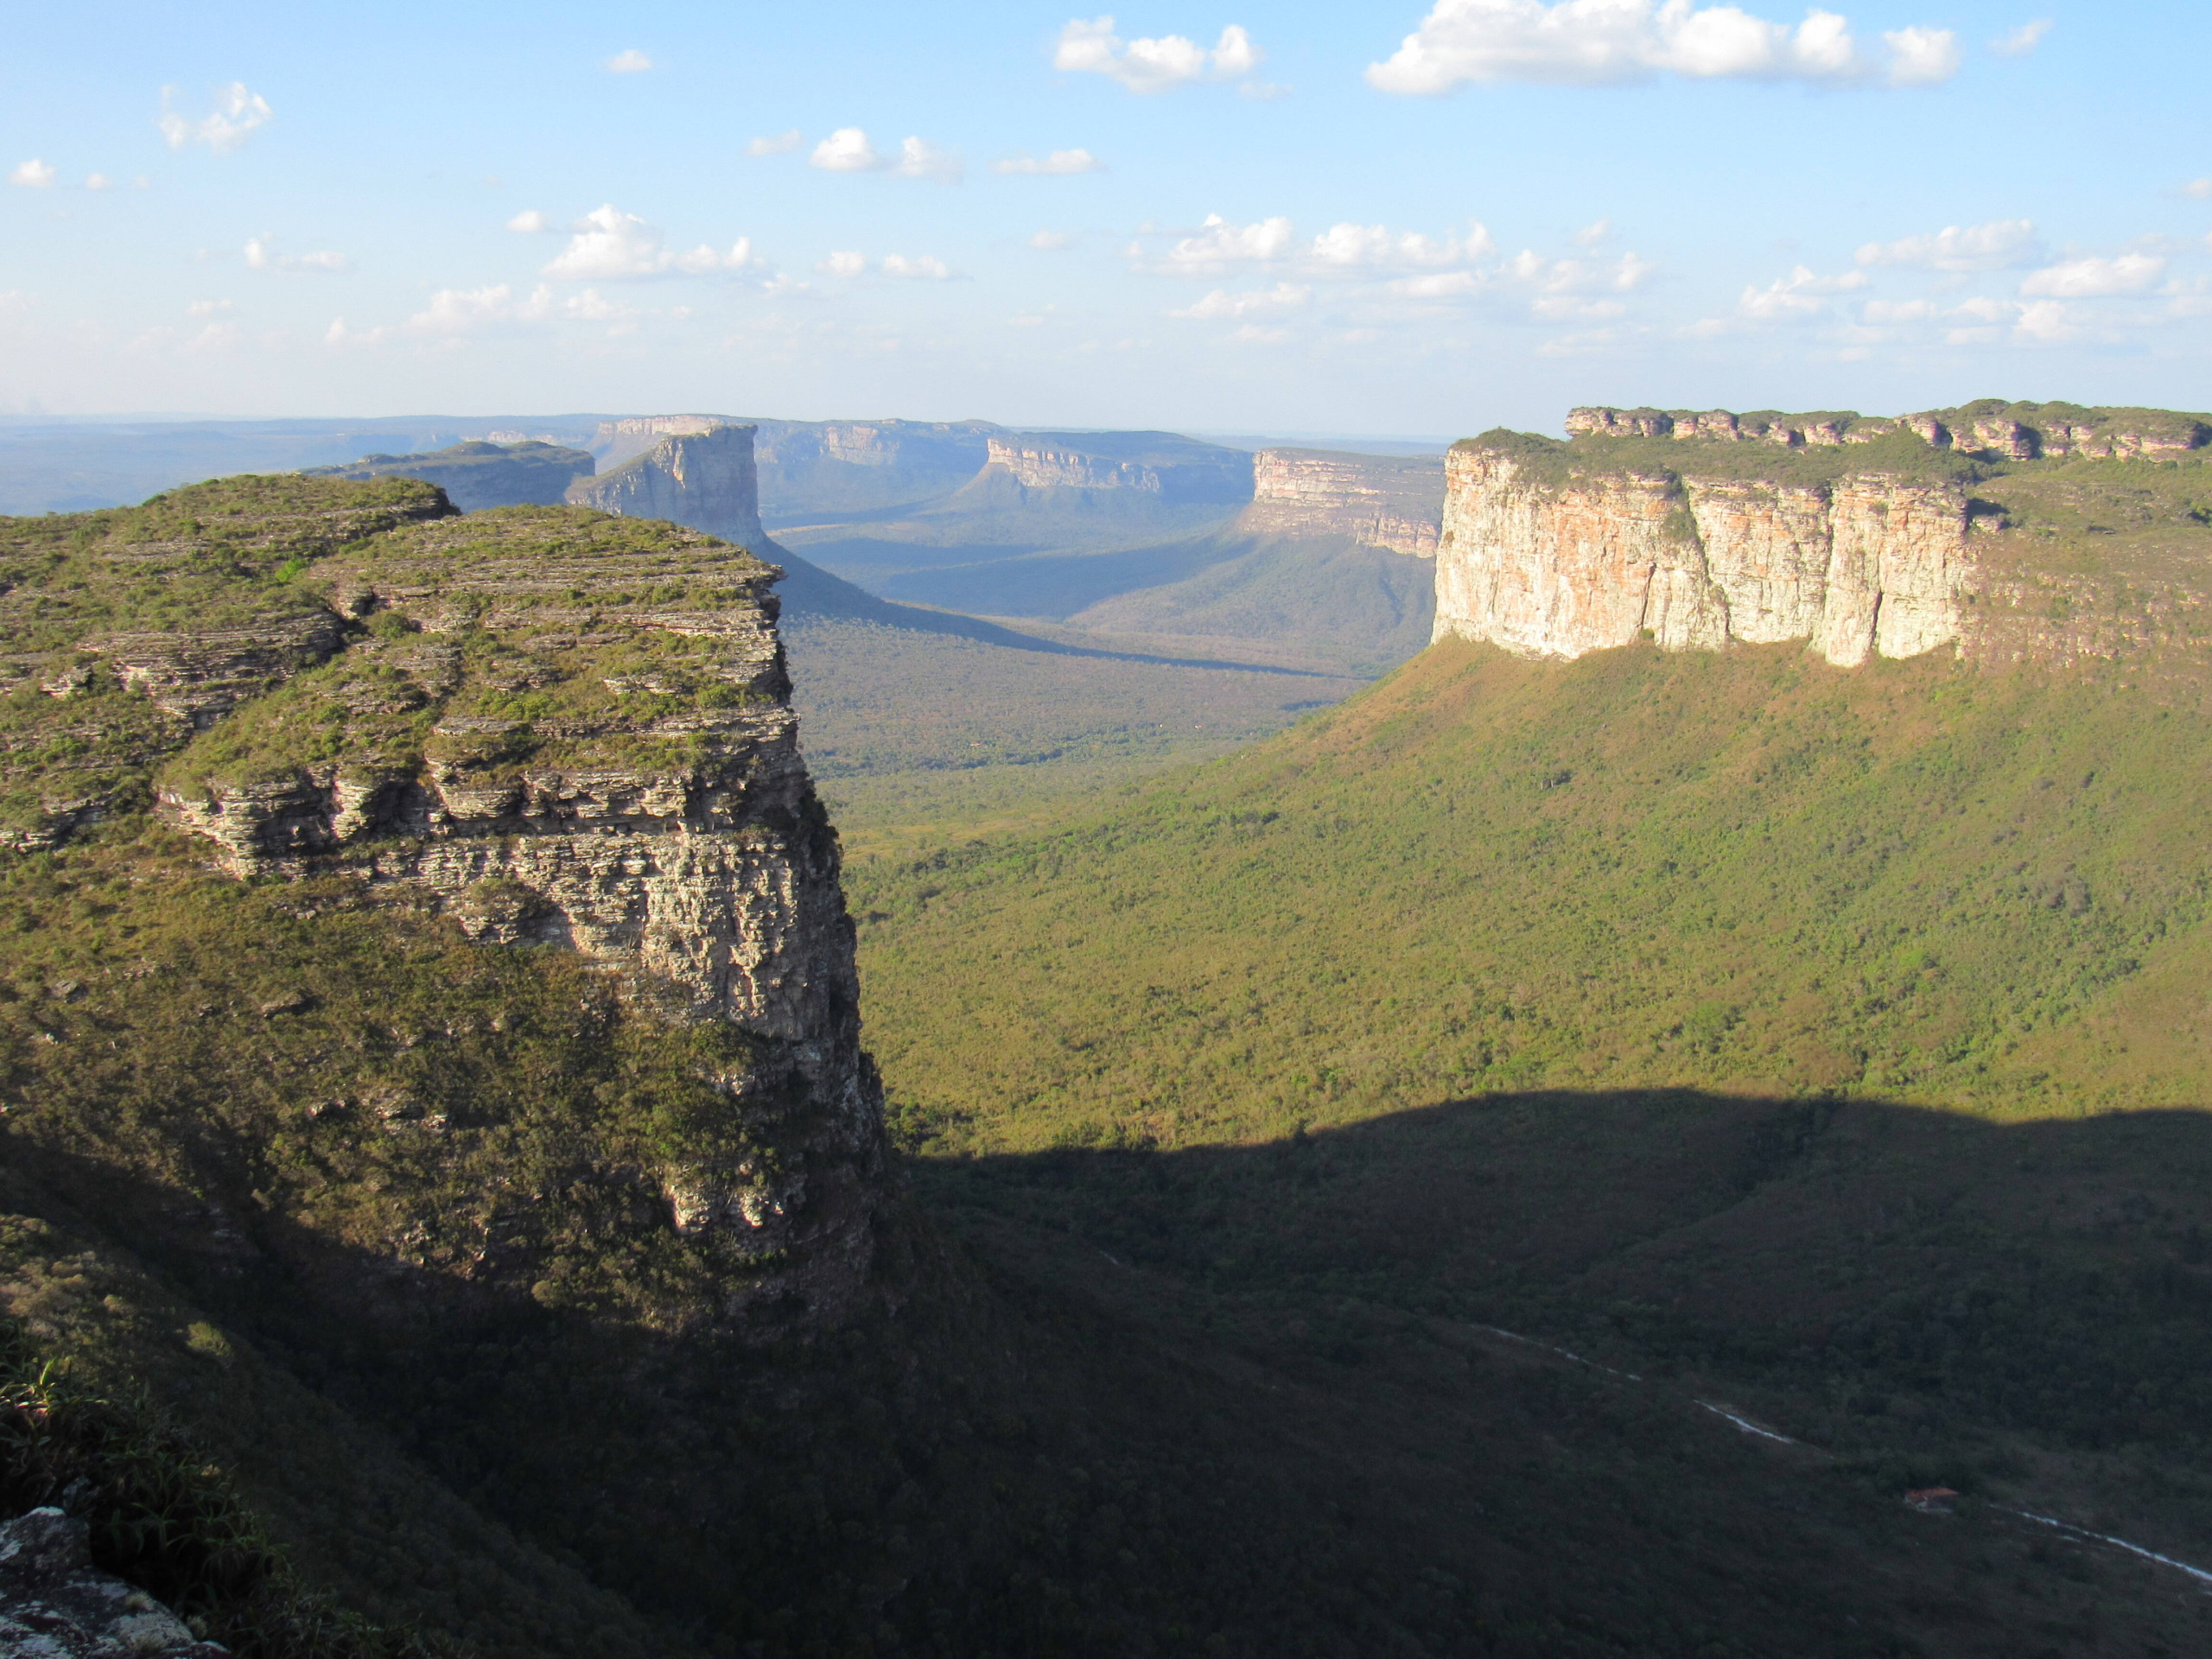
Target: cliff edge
(1863, 538)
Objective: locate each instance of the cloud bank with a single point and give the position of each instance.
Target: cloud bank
(1616, 43)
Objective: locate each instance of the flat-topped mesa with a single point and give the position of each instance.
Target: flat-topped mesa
(615, 441)
(706, 478)
(1989, 427)
(565, 728)
(1391, 502)
(1174, 469)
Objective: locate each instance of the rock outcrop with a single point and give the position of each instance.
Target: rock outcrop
(1174, 469)
(571, 729)
(705, 480)
(55, 1605)
(1990, 427)
(1549, 559)
(1391, 502)
(477, 474)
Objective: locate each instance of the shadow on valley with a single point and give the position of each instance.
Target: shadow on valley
(1240, 1401)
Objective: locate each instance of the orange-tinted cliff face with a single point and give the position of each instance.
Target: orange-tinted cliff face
(1391, 502)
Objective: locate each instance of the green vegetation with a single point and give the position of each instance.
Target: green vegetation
(478, 474)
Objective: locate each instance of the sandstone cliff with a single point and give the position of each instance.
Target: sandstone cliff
(1862, 537)
(705, 480)
(1172, 468)
(1391, 502)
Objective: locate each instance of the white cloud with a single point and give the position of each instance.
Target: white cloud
(630, 62)
(847, 150)
(1058, 163)
(1444, 286)
(260, 255)
(2046, 320)
(237, 116)
(920, 159)
(1221, 304)
(1993, 246)
(1219, 244)
(1612, 42)
(2197, 189)
(1590, 235)
(1898, 310)
(1563, 308)
(1796, 296)
(2022, 41)
(1920, 56)
(781, 144)
(207, 308)
(98, 182)
(530, 222)
(1253, 334)
(1052, 241)
(1347, 245)
(844, 264)
(922, 266)
(455, 313)
(33, 175)
(2077, 279)
(611, 246)
(1154, 66)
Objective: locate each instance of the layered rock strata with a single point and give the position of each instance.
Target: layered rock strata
(2004, 431)
(1550, 563)
(1388, 502)
(706, 479)
(570, 729)
(480, 474)
(1160, 464)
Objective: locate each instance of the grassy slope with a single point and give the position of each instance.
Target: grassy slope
(1747, 871)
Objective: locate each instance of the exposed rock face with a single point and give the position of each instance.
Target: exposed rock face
(200, 677)
(1864, 565)
(1161, 464)
(478, 474)
(54, 1605)
(2005, 431)
(706, 479)
(811, 468)
(1377, 501)
(617, 440)
(573, 729)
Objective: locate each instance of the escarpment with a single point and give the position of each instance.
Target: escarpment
(1174, 469)
(705, 479)
(1388, 502)
(1967, 528)
(544, 726)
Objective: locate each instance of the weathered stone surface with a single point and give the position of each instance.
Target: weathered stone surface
(1162, 464)
(54, 1605)
(2010, 432)
(202, 676)
(1391, 502)
(1869, 565)
(706, 479)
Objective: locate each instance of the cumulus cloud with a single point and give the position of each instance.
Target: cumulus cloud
(609, 245)
(1443, 285)
(921, 265)
(1154, 64)
(844, 264)
(238, 115)
(1052, 241)
(1993, 246)
(1219, 244)
(98, 182)
(2022, 41)
(1348, 245)
(2081, 279)
(1612, 42)
(847, 150)
(261, 255)
(1222, 304)
(920, 159)
(1795, 297)
(530, 222)
(779, 144)
(629, 62)
(33, 175)
(455, 314)
(1058, 163)
(2197, 189)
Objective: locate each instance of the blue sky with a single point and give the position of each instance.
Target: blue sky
(1418, 217)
